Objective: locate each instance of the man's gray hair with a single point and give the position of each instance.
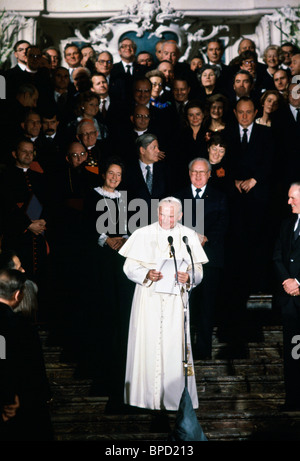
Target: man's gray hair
(200, 159)
(171, 200)
(144, 140)
(82, 124)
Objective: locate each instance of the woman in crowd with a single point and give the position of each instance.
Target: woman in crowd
(110, 293)
(87, 110)
(191, 137)
(270, 101)
(273, 57)
(221, 177)
(207, 77)
(217, 109)
(158, 96)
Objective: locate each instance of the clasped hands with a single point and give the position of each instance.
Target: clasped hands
(291, 287)
(155, 276)
(38, 226)
(115, 242)
(245, 185)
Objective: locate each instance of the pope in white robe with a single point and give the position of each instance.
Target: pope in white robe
(155, 371)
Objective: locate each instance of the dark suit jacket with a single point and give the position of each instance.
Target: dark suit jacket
(215, 221)
(256, 162)
(136, 186)
(14, 78)
(286, 259)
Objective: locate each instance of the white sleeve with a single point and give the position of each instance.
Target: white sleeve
(136, 272)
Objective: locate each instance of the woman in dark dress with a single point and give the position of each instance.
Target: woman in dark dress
(191, 141)
(110, 293)
(216, 115)
(221, 176)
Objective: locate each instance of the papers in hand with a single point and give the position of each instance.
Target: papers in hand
(168, 283)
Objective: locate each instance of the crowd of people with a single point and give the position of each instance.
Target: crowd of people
(144, 128)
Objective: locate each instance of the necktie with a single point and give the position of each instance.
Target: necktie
(297, 230)
(149, 178)
(245, 138)
(103, 108)
(197, 193)
(128, 71)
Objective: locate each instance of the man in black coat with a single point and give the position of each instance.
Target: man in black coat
(287, 265)
(147, 177)
(22, 373)
(252, 150)
(15, 75)
(203, 299)
(23, 197)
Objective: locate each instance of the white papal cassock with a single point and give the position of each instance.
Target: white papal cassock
(155, 376)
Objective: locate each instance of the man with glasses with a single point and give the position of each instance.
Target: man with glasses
(124, 72)
(145, 59)
(96, 148)
(203, 301)
(127, 50)
(14, 76)
(104, 64)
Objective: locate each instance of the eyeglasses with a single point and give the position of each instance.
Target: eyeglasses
(142, 116)
(140, 90)
(195, 172)
(91, 133)
(156, 84)
(249, 62)
(103, 61)
(82, 154)
(126, 46)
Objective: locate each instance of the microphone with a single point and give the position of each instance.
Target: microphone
(170, 240)
(186, 241)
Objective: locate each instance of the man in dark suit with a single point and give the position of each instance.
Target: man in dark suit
(287, 265)
(170, 52)
(250, 237)
(214, 53)
(203, 299)
(24, 223)
(147, 176)
(125, 71)
(22, 373)
(15, 76)
(252, 151)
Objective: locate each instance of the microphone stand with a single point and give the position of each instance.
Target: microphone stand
(170, 240)
(185, 240)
